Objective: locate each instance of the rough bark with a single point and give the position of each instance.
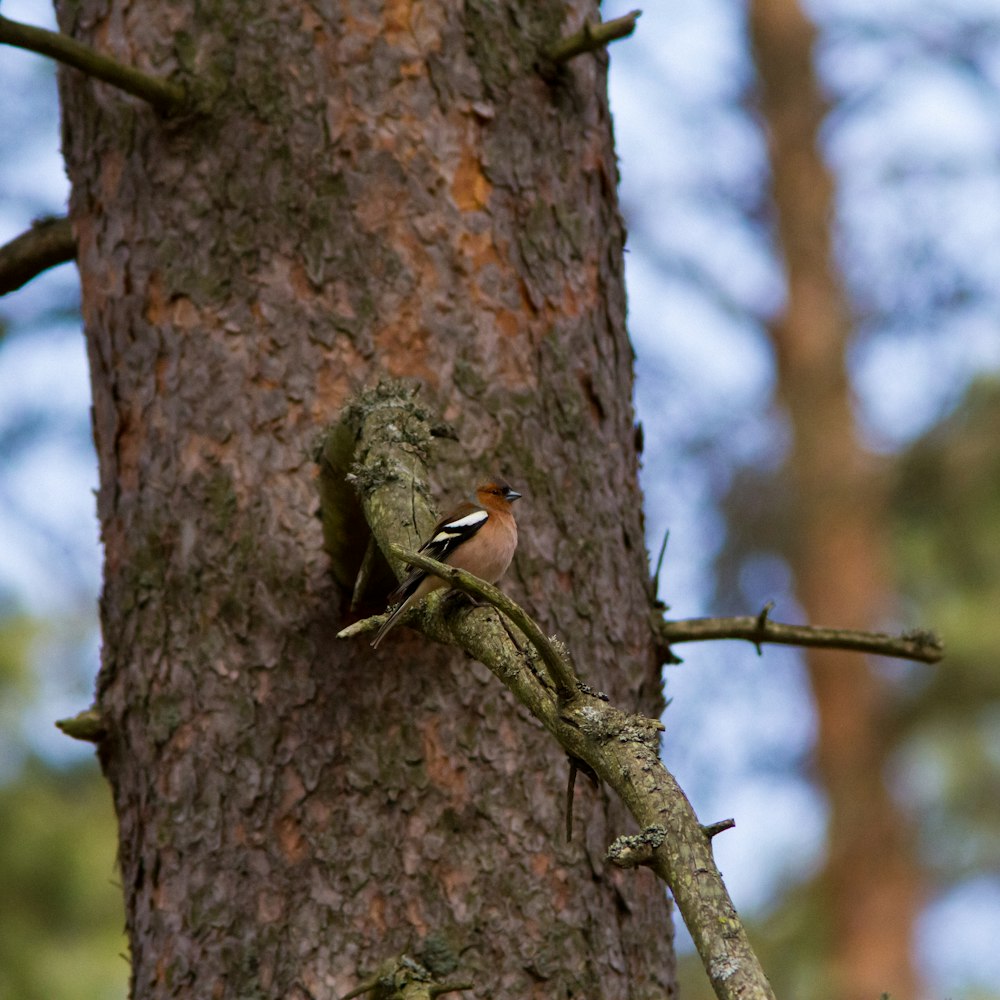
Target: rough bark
(372, 189)
(872, 883)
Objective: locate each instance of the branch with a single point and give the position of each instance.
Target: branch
(714, 829)
(920, 645)
(554, 658)
(590, 38)
(638, 849)
(47, 243)
(404, 978)
(87, 725)
(167, 97)
(621, 748)
(443, 988)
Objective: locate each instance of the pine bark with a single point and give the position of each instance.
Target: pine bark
(368, 190)
(871, 882)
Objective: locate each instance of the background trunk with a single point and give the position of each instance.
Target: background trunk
(377, 188)
(871, 879)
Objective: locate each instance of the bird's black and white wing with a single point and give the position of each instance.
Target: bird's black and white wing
(448, 534)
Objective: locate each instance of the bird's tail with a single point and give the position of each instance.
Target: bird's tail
(405, 594)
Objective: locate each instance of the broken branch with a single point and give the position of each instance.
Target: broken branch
(87, 725)
(591, 37)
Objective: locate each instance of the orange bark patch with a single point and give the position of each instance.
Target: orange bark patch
(300, 281)
(479, 250)
(510, 736)
(87, 261)
(415, 915)
(339, 297)
(262, 689)
(129, 446)
(470, 189)
(456, 883)
(294, 790)
(576, 299)
(156, 306)
(405, 351)
(311, 21)
(440, 768)
(376, 913)
(560, 892)
(590, 394)
(184, 314)
(198, 452)
(508, 323)
(290, 839)
(540, 863)
(334, 383)
(397, 17)
(112, 168)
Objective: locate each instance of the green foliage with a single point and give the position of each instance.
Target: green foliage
(946, 522)
(61, 914)
(789, 942)
(61, 919)
(16, 635)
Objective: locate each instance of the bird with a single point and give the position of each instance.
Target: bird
(479, 536)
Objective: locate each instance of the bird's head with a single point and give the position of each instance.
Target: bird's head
(496, 491)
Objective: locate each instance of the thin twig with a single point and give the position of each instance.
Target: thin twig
(164, 95)
(563, 677)
(591, 37)
(47, 243)
(441, 989)
(366, 987)
(921, 645)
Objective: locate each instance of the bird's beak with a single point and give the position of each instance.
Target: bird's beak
(512, 495)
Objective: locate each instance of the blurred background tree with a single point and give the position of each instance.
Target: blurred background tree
(909, 131)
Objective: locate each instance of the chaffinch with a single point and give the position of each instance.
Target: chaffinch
(478, 536)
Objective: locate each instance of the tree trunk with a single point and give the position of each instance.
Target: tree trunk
(872, 882)
(370, 189)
